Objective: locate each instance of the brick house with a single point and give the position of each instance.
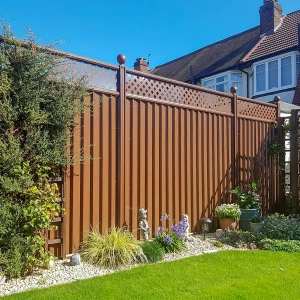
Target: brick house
(262, 62)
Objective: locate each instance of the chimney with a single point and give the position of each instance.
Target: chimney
(141, 65)
(270, 16)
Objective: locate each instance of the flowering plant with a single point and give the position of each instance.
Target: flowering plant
(228, 211)
(171, 240)
(248, 199)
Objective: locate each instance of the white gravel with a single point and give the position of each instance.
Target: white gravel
(62, 272)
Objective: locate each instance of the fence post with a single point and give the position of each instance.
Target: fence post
(121, 82)
(279, 163)
(294, 161)
(235, 133)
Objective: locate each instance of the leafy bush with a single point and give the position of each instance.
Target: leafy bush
(248, 199)
(13, 257)
(171, 240)
(228, 211)
(280, 227)
(280, 245)
(37, 112)
(238, 238)
(116, 247)
(218, 244)
(153, 251)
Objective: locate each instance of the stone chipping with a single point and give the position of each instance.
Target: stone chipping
(62, 272)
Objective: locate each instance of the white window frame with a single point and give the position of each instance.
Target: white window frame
(265, 62)
(297, 66)
(229, 81)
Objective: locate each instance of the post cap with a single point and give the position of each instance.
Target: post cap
(121, 58)
(276, 99)
(233, 89)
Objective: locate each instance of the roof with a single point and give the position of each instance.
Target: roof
(284, 38)
(224, 55)
(214, 58)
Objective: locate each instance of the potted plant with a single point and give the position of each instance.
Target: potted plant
(249, 202)
(229, 215)
(256, 223)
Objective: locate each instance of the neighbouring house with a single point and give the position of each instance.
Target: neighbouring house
(261, 62)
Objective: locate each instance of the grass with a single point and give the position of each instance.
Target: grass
(222, 275)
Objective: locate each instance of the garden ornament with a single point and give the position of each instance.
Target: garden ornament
(185, 220)
(75, 259)
(219, 233)
(145, 229)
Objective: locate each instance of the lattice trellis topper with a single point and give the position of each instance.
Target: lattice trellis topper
(256, 110)
(98, 77)
(155, 89)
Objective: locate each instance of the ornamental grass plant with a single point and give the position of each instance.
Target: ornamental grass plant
(228, 211)
(116, 247)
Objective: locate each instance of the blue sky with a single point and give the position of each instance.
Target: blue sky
(103, 29)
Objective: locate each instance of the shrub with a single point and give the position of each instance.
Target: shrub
(280, 245)
(238, 238)
(13, 257)
(153, 251)
(116, 247)
(218, 244)
(280, 227)
(228, 211)
(248, 199)
(38, 105)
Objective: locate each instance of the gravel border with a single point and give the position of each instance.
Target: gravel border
(62, 272)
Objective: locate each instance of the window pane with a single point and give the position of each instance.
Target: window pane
(223, 87)
(286, 71)
(208, 83)
(236, 76)
(222, 79)
(260, 78)
(273, 74)
(298, 66)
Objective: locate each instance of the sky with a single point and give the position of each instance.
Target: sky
(103, 29)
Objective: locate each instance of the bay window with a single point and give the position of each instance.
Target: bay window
(223, 82)
(274, 74)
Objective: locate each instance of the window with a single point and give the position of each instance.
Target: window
(298, 66)
(274, 74)
(260, 78)
(224, 82)
(286, 71)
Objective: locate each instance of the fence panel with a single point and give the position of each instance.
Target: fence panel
(166, 146)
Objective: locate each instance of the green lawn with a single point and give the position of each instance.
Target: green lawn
(222, 275)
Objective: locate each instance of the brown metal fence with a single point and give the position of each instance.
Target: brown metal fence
(163, 145)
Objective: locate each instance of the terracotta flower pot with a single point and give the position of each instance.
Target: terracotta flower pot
(228, 223)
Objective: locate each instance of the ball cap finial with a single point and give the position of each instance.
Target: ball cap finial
(276, 99)
(233, 89)
(121, 58)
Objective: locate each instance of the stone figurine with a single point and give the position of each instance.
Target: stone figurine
(185, 219)
(145, 229)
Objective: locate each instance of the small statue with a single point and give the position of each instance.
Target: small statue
(186, 224)
(145, 229)
(219, 233)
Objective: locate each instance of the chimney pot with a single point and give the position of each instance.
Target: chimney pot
(141, 65)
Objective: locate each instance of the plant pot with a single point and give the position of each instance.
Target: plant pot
(228, 223)
(256, 227)
(246, 216)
